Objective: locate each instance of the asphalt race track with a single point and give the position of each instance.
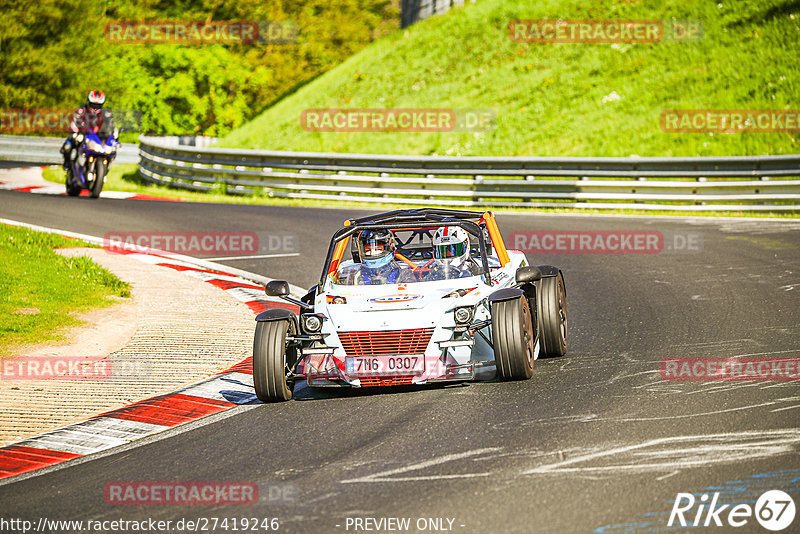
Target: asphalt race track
(595, 439)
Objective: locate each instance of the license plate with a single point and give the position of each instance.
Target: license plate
(385, 365)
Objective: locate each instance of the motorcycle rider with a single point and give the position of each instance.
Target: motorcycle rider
(91, 117)
(451, 257)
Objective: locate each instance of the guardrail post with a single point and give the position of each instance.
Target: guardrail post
(220, 182)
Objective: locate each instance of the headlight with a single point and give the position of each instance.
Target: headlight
(463, 315)
(95, 147)
(312, 323)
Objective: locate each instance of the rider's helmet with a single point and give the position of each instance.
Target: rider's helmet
(451, 246)
(96, 99)
(376, 247)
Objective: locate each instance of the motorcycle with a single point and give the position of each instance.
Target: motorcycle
(90, 159)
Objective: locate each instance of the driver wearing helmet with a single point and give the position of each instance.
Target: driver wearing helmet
(378, 266)
(91, 117)
(451, 255)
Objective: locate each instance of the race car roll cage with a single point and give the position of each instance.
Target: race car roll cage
(472, 222)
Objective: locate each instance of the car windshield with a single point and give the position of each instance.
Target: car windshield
(412, 261)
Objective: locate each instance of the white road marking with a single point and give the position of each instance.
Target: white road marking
(93, 435)
(681, 416)
(238, 387)
(246, 294)
(763, 353)
(787, 408)
(382, 476)
(700, 450)
(254, 257)
(668, 475)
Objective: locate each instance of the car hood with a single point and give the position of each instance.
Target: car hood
(411, 306)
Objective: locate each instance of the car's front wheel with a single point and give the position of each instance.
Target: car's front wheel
(514, 339)
(269, 361)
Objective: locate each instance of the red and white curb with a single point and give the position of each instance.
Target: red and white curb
(59, 190)
(226, 390)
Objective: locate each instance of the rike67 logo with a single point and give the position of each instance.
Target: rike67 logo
(774, 510)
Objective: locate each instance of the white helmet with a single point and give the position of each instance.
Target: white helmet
(451, 246)
(96, 99)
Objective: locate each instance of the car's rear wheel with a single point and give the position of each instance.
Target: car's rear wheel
(552, 296)
(514, 339)
(269, 361)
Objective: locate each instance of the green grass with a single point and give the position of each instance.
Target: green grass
(39, 289)
(548, 98)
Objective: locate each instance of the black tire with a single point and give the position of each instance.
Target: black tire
(72, 190)
(514, 339)
(99, 178)
(269, 361)
(552, 297)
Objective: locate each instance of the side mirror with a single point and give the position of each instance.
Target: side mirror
(277, 288)
(528, 274)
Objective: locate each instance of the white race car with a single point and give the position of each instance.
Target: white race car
(426, 295)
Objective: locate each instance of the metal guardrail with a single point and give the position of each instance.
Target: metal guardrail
(760, 183)
(45, 150)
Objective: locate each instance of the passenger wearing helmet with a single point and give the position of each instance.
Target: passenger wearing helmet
(451, 257)
(376, 249)
(91, 117)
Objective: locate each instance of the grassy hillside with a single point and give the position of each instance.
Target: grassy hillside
(549, 98)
